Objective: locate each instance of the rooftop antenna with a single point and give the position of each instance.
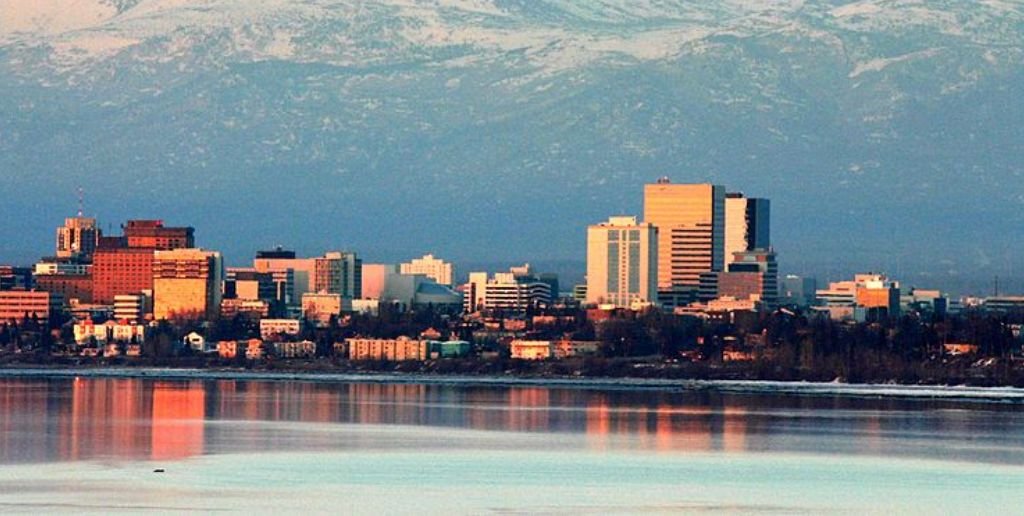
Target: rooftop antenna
(81, 201)
(996, 287)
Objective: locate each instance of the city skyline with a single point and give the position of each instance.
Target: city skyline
(572, 267)
(512, 256)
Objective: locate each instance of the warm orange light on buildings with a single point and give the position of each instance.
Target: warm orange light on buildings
(874, 297)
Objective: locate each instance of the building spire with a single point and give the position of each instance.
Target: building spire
(81, 201)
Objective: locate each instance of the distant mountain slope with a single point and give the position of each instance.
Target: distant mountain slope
(886, 131)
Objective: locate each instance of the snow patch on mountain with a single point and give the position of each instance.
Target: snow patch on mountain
(877, 65)
(856, 9)
(37, 19)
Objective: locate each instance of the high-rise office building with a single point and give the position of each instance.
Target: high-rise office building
(747, 225)
(338, 272)
(622, 262)
(77, 238)
(434, 268)
(124, 265)
(187, 283)
(690, 220)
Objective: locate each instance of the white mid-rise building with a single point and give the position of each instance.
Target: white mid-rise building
(130, 307)
(505, 291)
(434, 268)
(110, 331)
(622, 262)
(57, 268)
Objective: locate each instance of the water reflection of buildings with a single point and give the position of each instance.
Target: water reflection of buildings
(83, 419)
(166, 420)
(666, 426)
(178, 418)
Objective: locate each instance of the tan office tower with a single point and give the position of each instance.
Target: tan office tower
(622, 263)
(690, 219)
(187, 284)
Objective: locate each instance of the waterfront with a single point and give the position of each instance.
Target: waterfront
(92, 444)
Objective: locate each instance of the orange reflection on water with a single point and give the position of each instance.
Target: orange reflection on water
(120, 432)
(179, 411)
(528, 409)
(734, 429)
(666, 427)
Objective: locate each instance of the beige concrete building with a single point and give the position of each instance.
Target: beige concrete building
(436, 269)
(622, 262)
(15, 305)
(303, 349)
(187, 283)
(566, 348)
(131, 307)
(392, 350)
(274, 327)
(374, 279)
(110, 331)
(690, 219)
(320, 307)
(531, 349)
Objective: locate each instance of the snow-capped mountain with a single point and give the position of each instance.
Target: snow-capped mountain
(886, 131)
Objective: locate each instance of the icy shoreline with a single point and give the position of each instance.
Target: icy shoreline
(964, 393)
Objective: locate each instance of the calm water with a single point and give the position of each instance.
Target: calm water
(92, 445)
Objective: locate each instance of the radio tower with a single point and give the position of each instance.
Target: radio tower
(81, 201)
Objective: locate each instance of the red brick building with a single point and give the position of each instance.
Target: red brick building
(69, 286)
(121, 271)
(152, 234)
(124, 265)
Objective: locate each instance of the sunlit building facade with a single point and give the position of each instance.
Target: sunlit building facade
(747, 225)
(16, 305)
(187, 283)
(622, 262)
(434, 268)
(690, 219)
(77, 238)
